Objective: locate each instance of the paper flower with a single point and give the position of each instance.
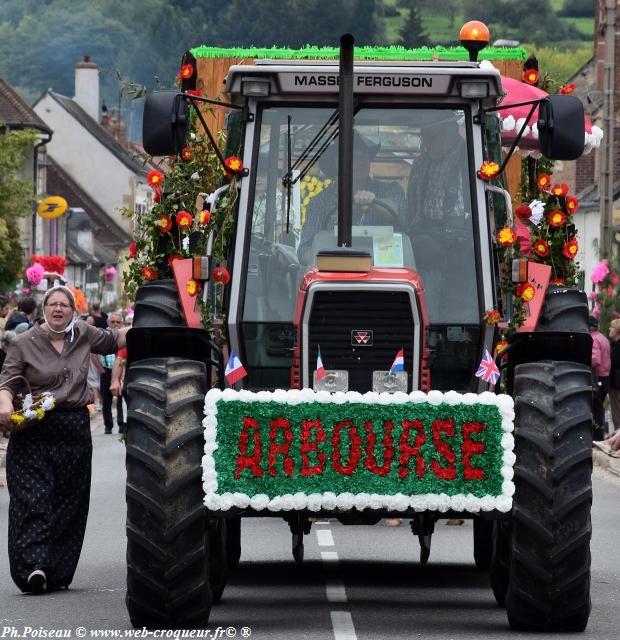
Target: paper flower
(538, 211)
(221, 275)
(154, 178)
(557, 218)
(559, 189)
(492, 317)
(526, 291)
(192, 287)
(204, 217)
(567, 89)
(506, 237)
(186, 154)
(133, 249)
(164, 223)
(186, 72)
(531, 76)
(184, 219)
(194, 92)
(541, 248)
(488, 170)
(558, 282)
(35, 273)
(570, 249)
(233, 164)
(523, 212)
(600, 272)
(572, 204)
(543, 181)
(149, 273)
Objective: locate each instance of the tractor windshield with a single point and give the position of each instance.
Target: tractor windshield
(412, 205)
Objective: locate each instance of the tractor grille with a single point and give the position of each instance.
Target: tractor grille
(336, 314)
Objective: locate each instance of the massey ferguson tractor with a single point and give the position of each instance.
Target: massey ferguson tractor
(358, 314)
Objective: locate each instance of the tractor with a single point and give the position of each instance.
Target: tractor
(327, 286)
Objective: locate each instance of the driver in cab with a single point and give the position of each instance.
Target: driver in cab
(375, 202)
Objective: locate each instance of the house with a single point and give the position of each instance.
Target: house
(16, 114)
(101, 176)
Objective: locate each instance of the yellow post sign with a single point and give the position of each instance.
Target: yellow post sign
(52, 207)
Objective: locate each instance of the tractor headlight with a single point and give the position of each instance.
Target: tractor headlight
(386, 382)
(334, 380)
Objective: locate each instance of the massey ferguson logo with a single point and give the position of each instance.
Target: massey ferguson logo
(361, 337)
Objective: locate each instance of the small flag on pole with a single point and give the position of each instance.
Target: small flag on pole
(399, 362)
(320, 369)
(487, 370)
(234, 369)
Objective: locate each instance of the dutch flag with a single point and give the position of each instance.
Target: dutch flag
(320, 369)
(399, 362)
(234, 369)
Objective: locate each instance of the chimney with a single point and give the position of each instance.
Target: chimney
(87, 87)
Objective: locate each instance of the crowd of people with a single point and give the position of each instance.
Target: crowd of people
(50, 348)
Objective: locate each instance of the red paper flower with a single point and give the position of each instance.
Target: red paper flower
(154, 178)
(192, 287)
(164, 223)
(52, 264)
(149, 273)
(559, 189)
(523, 212)
(233, 164)
(133, 249)
(557, 218)
(531, 76)
(541, 248)
(506, 237)
(543, 181)
(194, 92)
(156, 195)
(572, 204)
(500, 346)
(221, 275)
(184, 219)
(492, 317)
(174, 258)
(526, 291)
(488, 170)
(205, 216)
(570, 249)
(567, 89)
(186, 72)
(559, 282)
(186, 154)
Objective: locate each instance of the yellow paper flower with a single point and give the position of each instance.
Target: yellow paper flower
(488, 170)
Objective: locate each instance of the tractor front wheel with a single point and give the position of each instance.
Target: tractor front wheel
(167, 528)
(549, 586)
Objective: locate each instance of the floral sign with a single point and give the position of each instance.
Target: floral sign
(301, 449)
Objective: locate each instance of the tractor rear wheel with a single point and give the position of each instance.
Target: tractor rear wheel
(167, 534)
(549, 588)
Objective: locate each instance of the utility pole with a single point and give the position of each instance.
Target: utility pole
(606, 186)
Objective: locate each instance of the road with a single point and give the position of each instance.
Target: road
(356, 582)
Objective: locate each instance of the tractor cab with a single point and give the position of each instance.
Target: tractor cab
(418, 211)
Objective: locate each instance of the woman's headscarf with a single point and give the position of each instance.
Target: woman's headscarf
(69, 294)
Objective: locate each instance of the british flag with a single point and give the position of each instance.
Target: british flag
(487, 370)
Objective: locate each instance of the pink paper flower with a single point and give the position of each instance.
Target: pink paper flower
(600, 272)
(35, 274)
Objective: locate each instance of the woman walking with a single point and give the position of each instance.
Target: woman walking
(49, 465)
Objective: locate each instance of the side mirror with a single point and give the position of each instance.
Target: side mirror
(164, 126)
(561, 127)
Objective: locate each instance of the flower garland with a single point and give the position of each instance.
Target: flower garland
(177, 226)
(301, 449)
(33, 409)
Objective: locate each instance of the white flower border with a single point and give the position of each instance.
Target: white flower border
(330, 501)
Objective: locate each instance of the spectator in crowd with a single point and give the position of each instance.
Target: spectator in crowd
(26, 313)
(97, 317)
(4, 311)
(5, 341)
(49, 465)
(601, 365)
(115, 321)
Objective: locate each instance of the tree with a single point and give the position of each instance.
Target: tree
(15, 201)
(412, 33)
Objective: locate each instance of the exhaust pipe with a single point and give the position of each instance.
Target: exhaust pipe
(345, 142)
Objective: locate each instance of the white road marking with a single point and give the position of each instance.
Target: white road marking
(329, 556)
(343, 625)
(325, 538)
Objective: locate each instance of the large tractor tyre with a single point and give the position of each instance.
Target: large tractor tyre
(158, 305)
(549, 588)
(483, 543)
(564, 309)
(233, 542)
(218, 566)
(500, 561)
(167, 535)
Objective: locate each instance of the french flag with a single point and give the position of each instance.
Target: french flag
(320, 369)
(234, 369)
(399, 362)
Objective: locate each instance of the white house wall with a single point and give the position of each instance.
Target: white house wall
(89, 163)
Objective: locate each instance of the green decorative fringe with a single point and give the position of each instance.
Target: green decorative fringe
(361, 53)
(230, 418)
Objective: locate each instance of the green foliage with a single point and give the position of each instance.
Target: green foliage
(412, 32)
(15, 201)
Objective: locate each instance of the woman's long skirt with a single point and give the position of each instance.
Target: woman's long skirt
(48, 470)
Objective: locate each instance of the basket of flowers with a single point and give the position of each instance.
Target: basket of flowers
(29, 408)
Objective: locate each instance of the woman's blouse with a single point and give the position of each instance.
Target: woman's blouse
(65, 374)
